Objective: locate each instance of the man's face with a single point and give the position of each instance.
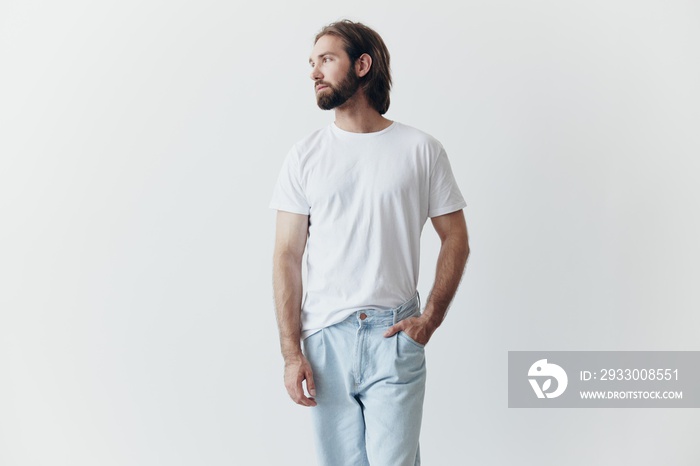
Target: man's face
(335, 79)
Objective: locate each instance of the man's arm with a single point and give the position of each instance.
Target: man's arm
(454, 251)
(290, 241)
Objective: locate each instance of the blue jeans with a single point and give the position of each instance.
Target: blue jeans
(369, 389)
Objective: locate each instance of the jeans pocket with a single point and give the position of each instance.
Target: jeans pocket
(410, 340)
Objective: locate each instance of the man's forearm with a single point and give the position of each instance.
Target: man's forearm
(452, 259)
(287, 288)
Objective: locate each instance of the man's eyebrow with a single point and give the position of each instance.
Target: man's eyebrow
(321, 55)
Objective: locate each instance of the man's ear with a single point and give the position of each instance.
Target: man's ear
(362, 65)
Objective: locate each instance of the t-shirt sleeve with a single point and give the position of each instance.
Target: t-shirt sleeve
(445, 196)
(288, 194)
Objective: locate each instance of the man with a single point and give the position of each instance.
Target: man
(355, 196)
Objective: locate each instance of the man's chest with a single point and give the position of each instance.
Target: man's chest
(369, 179)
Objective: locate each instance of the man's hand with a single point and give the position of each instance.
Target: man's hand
(419, 329)
(296, 370)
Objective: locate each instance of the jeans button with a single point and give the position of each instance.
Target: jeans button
(363, 316)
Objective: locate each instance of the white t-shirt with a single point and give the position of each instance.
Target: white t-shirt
(368, 196)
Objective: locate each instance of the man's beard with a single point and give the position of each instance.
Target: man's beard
(337, 96)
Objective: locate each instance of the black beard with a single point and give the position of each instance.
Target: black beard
(337, 96)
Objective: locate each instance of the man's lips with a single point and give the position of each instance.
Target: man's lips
(318, 88)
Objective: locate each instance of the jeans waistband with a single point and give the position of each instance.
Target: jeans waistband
(389, 316)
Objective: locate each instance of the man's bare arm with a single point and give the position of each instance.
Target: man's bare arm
(454, 251)
(290, 242)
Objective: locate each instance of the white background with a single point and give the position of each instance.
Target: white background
(139, 144)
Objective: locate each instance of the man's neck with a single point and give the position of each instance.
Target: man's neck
(357, 116)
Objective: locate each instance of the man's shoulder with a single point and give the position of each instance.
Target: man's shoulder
(416, 136)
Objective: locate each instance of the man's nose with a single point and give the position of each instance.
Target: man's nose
(316, 73)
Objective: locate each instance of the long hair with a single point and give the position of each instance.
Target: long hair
(359, 39)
